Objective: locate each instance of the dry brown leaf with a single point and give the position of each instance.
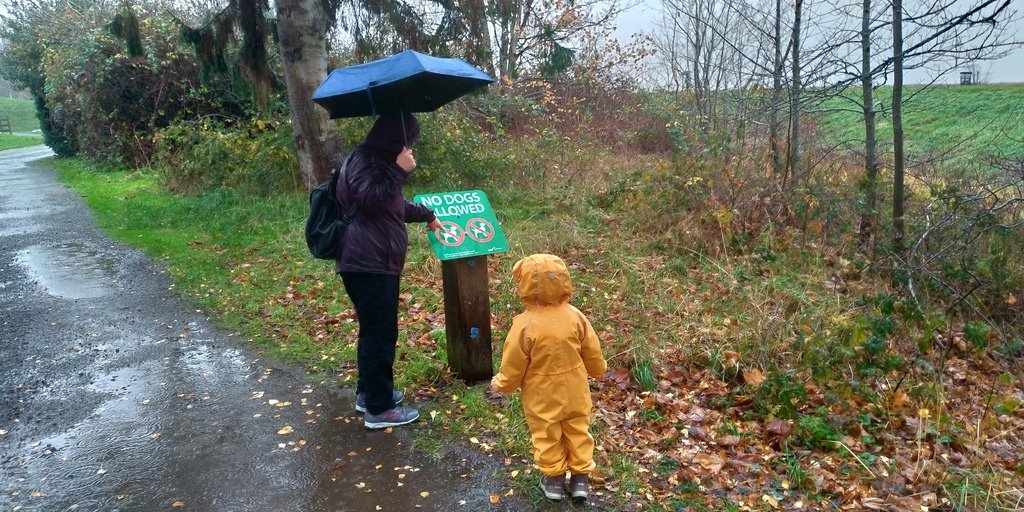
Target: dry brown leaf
(900, 399)
(779, 427)
(728, 441)
(753, 376)
(873, 503)
(731, 358)
(710, 462)
(495, 498)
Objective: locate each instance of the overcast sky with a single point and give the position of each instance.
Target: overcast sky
(1009, 69)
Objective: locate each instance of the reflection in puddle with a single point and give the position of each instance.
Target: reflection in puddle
(72, 271)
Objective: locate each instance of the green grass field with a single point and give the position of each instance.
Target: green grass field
(21, 112)
(965, 123)
(18, 141)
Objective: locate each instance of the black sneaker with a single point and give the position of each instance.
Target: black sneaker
(396, 399)
(391, 418)
(579, 486)
(553, 487)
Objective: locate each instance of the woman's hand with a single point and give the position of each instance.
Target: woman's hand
(405, 160)
(435, 225)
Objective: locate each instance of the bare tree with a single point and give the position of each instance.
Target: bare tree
(899, 162)
(941, 31)
(870, 183)
(794, 97)
(523, 31)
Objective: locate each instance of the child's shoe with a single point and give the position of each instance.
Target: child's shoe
(553, 487)
(579, 486)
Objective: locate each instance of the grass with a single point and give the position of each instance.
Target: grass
(18, 141)
(21, 112)
(964, 122)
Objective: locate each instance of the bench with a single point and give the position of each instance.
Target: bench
(5, 125)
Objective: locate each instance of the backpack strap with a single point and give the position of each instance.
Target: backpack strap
(335, 175)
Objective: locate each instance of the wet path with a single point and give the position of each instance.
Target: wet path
(114, 395)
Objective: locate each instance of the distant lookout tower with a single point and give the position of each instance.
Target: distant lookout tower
(966, 78)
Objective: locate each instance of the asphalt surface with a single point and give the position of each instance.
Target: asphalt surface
(116, 395)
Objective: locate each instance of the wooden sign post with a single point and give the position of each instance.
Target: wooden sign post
(471, 232)
(467, 312)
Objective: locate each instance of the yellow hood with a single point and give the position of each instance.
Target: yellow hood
(543, 280)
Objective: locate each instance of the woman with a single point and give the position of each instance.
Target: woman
(372, 257)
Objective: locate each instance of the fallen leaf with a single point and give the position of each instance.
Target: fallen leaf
(711, 462)
(753, 376)
(424, 494)
(728, 441)
(178, 504)
(286, 430)
(779, 427)
(874, 503)
(1011, 299)
(900, 399)
(495, 498)
(731, 358)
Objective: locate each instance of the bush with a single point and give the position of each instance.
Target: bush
(258, 157)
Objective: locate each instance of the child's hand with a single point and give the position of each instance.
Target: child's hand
(494, 395)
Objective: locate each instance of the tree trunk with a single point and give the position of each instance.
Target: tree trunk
(773, 126)
(897, 129)
(302, 27)
(870, 184)
(794, 99)
(479, 51)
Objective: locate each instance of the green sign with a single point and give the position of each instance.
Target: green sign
(470, 228)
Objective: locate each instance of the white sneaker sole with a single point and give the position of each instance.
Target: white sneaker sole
(386, 424)
(550, 495)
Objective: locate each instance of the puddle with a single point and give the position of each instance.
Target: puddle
(23, 230)
(71, 271)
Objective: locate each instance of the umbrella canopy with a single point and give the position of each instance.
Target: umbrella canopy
(408, 81)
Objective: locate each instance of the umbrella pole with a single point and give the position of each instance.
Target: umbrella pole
(373, 105)
(405, 138)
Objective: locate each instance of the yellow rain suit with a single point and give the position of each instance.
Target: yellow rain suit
(550, 349)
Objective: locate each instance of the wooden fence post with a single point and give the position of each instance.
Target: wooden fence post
(467, 311)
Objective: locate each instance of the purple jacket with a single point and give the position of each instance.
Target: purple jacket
(376, 241)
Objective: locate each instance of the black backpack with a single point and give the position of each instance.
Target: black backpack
(326, 226)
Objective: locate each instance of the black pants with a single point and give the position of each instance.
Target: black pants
(375, 297)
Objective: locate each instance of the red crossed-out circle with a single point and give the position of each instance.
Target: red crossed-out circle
(455, 234)
(480, 230)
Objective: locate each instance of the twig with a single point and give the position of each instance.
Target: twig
(866, 468)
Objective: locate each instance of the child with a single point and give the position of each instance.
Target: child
(549, 351)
